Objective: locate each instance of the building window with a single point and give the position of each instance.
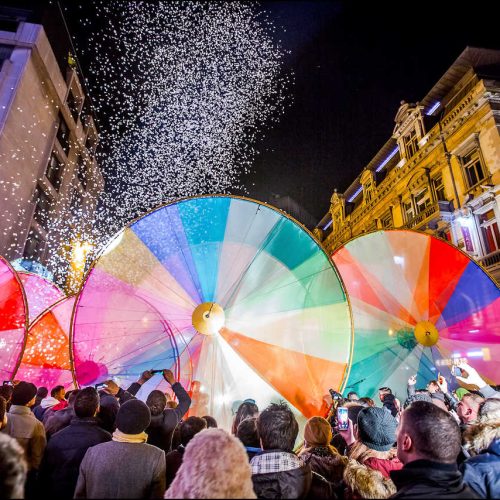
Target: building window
(422, 200)
(63, 135)
(33, 249)
(407, 210)
(75, 203)
(54, 172)
(82, 171)
(411, 143)
(43, 205)
(474, 171)
(5, 53)
(74, 105)
(438, 184)
(491, 234)
(386, 219)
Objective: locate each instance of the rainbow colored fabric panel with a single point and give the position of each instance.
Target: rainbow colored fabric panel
(287, 332)
(13, 320)
(396, 279)
(40, 293)
(46, 357)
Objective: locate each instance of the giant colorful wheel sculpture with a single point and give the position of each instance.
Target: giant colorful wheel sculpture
(250, 292)
(46, 359)
(40, 292)
(419, 304)
(13, 320)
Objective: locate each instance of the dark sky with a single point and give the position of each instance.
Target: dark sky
(353, 63)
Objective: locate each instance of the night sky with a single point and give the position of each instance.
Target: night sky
(353, 63)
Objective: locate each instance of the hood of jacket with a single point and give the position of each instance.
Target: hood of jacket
(49, 402)
(293, 483)
(364, 482)
(479, 437)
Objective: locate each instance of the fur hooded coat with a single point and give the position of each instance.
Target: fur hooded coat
(482, 471)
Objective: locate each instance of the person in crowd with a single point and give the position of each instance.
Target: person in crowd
(188, 429)
(468, 409)
(367, 401)
(482, 471)
(112, 396)
(6, 391)
(211, 422)
(56, 399)
(163, 419)
(214, 466)
(382, 392)
(54, 421)
(13, 468)
(277, 472)
(246, 409)
(428, 444)
(126, 467)
(3, 413)
(392, 404)
(66, 449)
(248, 434)
(41, 393)
(27, 430)
(352, 396)
(471, 377)
(338, 441)
(324, 460)
(372, 440)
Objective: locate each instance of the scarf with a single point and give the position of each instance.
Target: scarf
(121, 437)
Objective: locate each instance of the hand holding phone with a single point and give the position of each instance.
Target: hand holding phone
(156, 371)
(456, 371)
(342, 419)
(7, 382)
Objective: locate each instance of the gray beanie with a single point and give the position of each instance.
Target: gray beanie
(377, 428)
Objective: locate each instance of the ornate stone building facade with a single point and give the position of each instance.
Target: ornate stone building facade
(49, 177)
(440, 170)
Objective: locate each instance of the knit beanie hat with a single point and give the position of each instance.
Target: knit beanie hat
(317, 432)
(23, 393)
(133, 417)
(420, 396)
(438, 395)
(377, 428)
(461, 392)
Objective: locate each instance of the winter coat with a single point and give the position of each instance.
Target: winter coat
(54, 421)
(122, 470)
(64, 454)
(482, 472)
(426, 479)
(383, 466)
(162, 426)
(29, 432)
(362, 482)
(173, 462)
(326, 463)
(291, 477)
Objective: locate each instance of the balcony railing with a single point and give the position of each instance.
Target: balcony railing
(490, 260)
(422, 217)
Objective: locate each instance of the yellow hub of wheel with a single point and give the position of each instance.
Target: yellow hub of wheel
(426, 333)
(208, 318)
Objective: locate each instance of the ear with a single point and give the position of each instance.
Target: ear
(407, 443)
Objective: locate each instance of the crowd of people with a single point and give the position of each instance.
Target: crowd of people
(106, 443)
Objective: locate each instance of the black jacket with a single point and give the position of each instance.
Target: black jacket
(64, 453)
(293, 483)
(426, 479)
(162, 426)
